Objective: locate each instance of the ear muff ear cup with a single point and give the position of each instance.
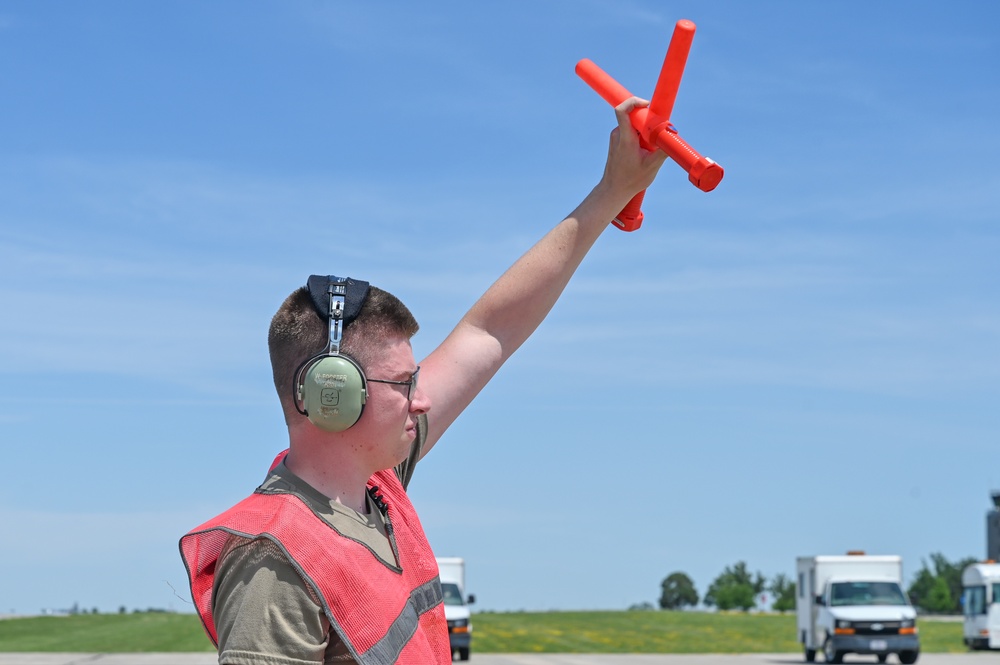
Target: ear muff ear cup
(333, 391)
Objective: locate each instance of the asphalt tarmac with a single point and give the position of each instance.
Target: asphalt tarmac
(977, 658)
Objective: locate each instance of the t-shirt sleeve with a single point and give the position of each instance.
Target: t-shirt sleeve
(264, 613)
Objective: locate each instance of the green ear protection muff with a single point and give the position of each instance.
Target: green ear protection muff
(330, 388)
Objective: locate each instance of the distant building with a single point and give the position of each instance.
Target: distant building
(993, 530)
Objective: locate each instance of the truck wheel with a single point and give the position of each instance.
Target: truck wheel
(810, 655)
(463, 654)
(830, 654)
(908, 657)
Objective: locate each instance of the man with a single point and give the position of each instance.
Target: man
(327, 561)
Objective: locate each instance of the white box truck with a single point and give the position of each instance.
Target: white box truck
(854, 604)
(981, 605)
(456, 605)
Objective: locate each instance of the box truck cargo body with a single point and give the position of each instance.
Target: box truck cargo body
(981, 605)
(456, 605)
(854, 604)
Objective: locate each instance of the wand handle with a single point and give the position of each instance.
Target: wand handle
(630, 218)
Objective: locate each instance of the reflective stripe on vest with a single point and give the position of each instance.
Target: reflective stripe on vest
(382, 614)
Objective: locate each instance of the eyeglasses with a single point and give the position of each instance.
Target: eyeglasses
(411, 385)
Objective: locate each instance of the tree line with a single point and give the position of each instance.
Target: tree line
(936, 589)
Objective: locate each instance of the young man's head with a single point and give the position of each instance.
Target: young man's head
(299, 332)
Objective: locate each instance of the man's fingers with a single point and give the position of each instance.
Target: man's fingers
(623, 110)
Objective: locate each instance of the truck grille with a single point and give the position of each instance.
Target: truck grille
(876, 627)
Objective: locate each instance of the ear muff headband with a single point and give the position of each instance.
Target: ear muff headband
(330, 388)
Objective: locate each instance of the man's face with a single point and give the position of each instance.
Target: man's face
(388, 425)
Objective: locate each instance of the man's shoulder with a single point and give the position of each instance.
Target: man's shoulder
(240, 552)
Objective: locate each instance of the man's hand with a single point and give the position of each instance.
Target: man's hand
(630, 168)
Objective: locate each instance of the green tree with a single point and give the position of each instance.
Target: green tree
(727, 588)
(735, 596)
(920, 588)
(927, 591)
(677, 592)
(939, 600)
(784, 593)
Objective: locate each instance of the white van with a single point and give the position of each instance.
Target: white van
(456, 605)
(854, 604)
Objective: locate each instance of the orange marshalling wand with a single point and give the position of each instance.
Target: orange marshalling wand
(653, 122)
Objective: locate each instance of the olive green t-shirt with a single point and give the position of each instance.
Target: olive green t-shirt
(265, 614)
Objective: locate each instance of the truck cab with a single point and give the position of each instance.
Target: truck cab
(981, 605)
(869, 617)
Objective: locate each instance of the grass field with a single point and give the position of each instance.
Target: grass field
(662, 632)
(515, 632)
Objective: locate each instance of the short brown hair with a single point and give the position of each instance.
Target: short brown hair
(298, 333)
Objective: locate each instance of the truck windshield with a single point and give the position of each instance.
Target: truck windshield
(974, 601)
(866, 593)
(452, 596)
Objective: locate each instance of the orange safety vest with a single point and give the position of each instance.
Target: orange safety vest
(383, 615)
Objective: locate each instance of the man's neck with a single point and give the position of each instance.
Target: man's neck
(332, 470)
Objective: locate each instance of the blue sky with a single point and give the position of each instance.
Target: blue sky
(804, 361)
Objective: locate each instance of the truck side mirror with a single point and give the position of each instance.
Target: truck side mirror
(472, 599)
(820, 601)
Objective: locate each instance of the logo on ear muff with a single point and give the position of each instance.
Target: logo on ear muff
(330, 388)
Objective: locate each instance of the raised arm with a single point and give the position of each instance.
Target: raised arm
(513, 307)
